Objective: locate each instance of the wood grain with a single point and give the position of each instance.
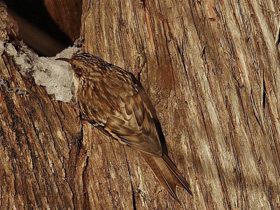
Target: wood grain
(67, 15)
(211, 68)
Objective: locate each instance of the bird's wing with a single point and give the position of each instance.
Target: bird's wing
(134, 124)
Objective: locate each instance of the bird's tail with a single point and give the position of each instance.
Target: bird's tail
(167, 173)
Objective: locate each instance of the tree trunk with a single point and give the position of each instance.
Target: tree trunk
(211, 69)
(67, 14)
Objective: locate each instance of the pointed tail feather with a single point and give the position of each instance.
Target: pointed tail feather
(167, 173)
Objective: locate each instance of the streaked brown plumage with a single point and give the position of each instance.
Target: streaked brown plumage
(115, 101)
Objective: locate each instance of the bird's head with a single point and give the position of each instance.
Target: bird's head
(75, 64)
(85, 64)
(78, 63)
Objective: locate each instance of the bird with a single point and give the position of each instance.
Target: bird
(114, 101)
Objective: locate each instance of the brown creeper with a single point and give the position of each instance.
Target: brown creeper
(115, 100)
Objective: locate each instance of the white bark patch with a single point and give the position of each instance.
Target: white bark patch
(55, 76)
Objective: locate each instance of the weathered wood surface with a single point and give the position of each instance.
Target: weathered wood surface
(211, 69)
(67, 15)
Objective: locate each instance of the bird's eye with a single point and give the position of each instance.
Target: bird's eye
(77, 70)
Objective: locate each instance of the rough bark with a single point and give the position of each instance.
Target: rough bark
(211, 68)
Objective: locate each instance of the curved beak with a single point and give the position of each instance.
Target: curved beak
(64, 59)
